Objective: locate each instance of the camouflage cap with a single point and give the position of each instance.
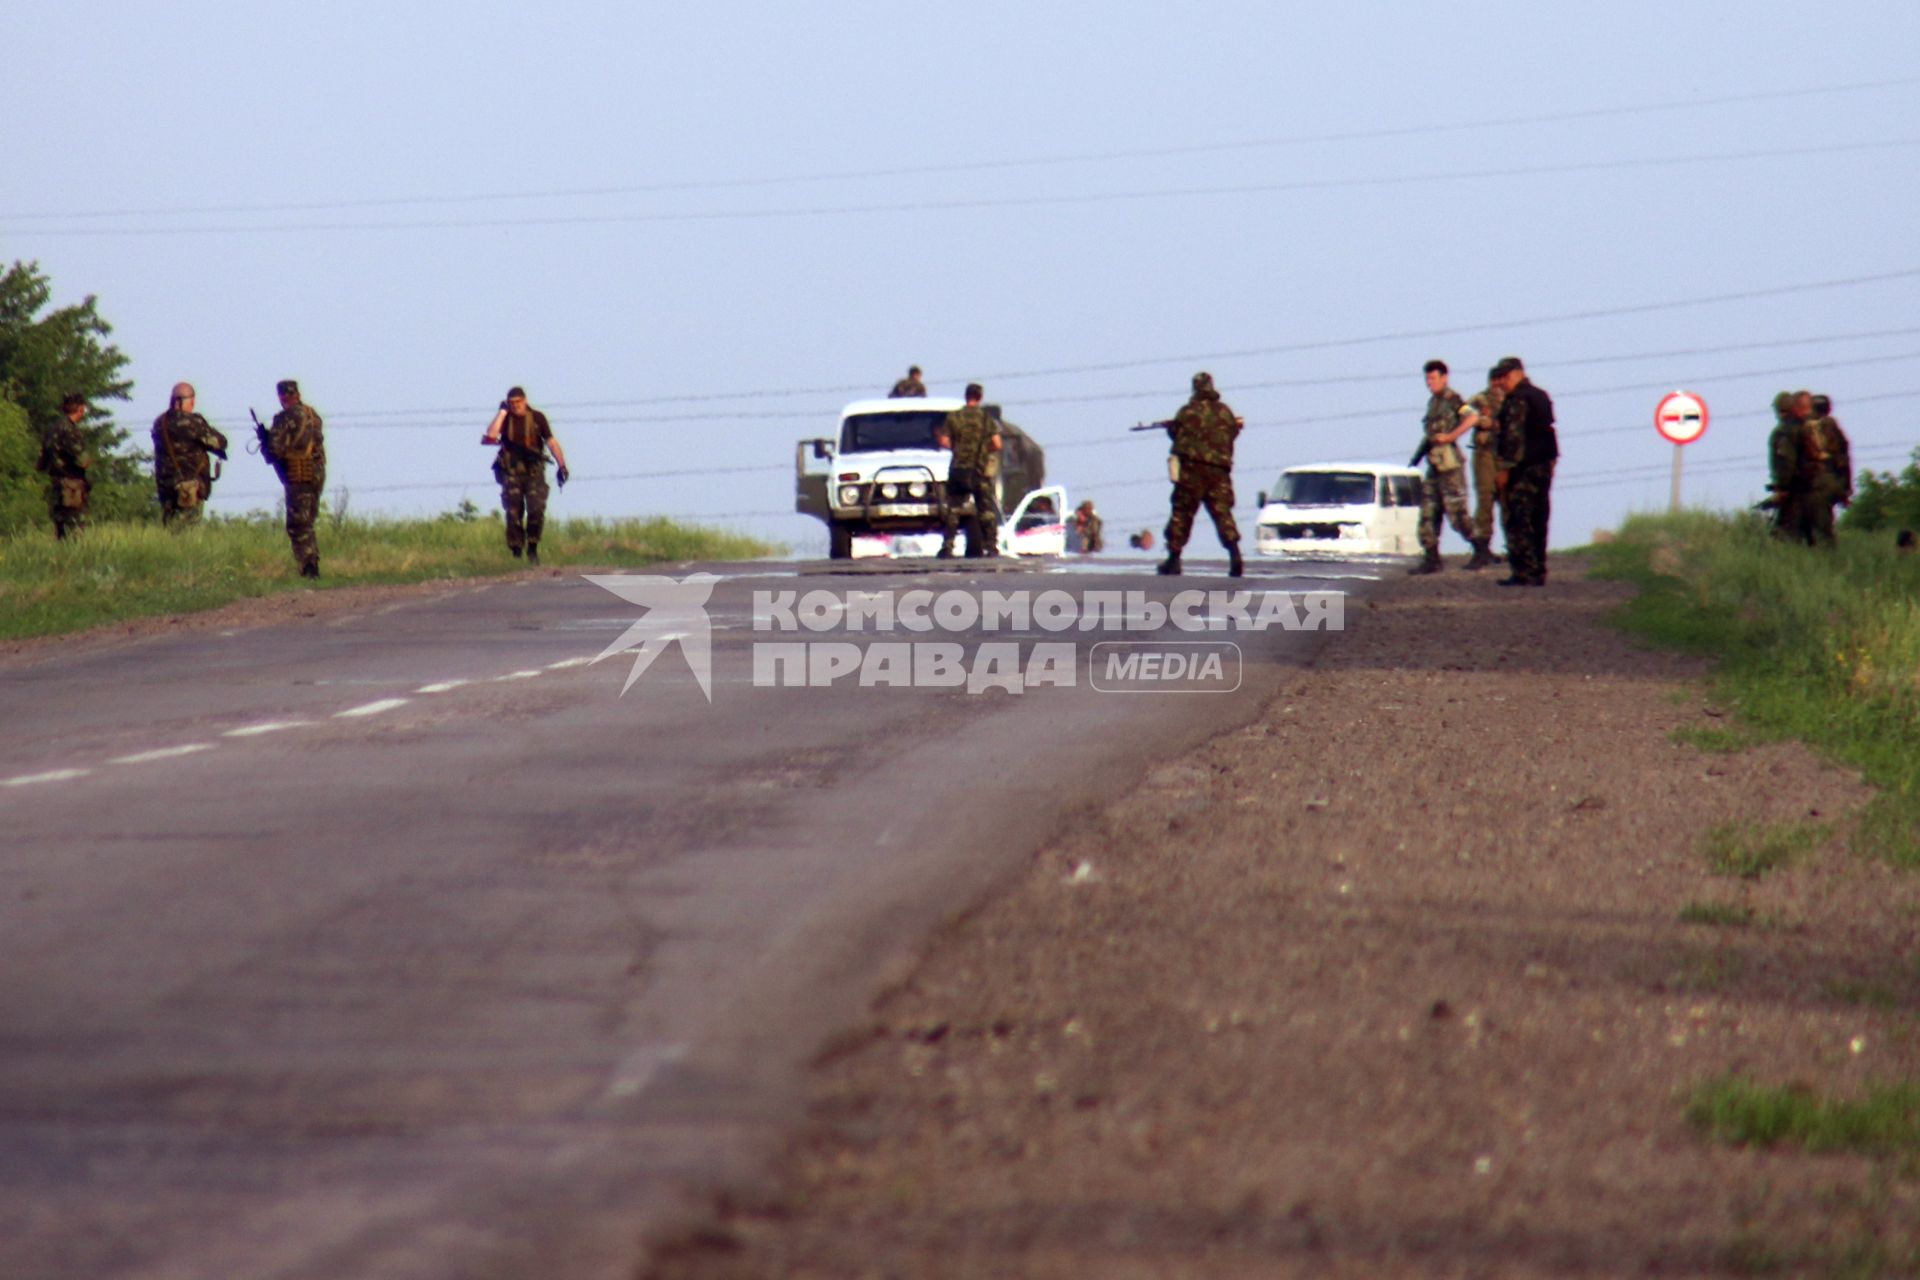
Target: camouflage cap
(287, 387)
(1822, 405)
(1203, 382)
(1507, 365)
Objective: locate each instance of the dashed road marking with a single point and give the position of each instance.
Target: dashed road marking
(271, 726)
(516, 675)
(162, 753)
(370, 708)
(442, 687)
(52, 775)
(564, 663)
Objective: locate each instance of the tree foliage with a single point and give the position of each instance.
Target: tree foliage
(45, 355)
(1884, 500)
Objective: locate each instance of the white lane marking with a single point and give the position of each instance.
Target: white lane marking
(54, 775)
(162, 753)
(370, 708)
(442, 687)
(637, 1070)
(564, 663)
(516, 675)
(271, 726)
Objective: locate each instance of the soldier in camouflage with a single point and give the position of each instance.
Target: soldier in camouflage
(297, 449)
(64, 459)
(1784, 472)
(524, 437)
(1528, 448)
(1203, 433)
(908, 387)
(974, 437)
(1486, 467)
(1827, 467)
(184, 444)
(1447, 419)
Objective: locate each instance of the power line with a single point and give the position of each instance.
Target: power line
(988, 202)
(976, 166)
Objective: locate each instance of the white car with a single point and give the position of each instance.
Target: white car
(1342, 509)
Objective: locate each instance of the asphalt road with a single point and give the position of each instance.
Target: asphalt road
(402, 944)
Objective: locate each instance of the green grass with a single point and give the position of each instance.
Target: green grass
(1823, 646)
(117, 572)
(1712, 739)
(1750, 850)
(1721, 914)
(1735, 1110)
(1872, 995)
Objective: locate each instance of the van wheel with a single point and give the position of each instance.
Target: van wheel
(839, 542)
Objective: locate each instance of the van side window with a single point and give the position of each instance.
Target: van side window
(1406, 490)
(1386, 491)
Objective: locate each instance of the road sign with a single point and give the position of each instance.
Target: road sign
(1681, 417)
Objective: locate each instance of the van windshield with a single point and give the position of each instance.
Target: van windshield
(1326, 489)
(873, 432)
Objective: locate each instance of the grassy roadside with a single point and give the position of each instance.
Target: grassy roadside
(1823, 646)
(118, 572)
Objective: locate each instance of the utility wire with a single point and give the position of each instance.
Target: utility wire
(990, 202)
(977, 166)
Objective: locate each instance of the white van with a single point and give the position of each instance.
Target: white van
(1342, 509)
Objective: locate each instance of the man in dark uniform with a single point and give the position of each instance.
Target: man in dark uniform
(1528, 448)
(182, 468)
(909, 386)
(298, 451)
(1784, 472)
(1203, 434)
(64, 458)
(974, 437)
(524, 437)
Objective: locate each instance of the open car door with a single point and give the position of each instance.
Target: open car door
(1038, 526)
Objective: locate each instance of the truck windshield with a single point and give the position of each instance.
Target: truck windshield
(871, 432)
(1325, 489)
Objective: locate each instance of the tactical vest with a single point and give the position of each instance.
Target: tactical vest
(299, 456)
(524, 434)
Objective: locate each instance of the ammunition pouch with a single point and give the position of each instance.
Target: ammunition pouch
(299, 469)
(186, 494)
(1445, 457)
(72, 492)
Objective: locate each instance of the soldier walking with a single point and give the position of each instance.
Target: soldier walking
(184, 444)
(1447, 419)
(909, 387)
(64, 459)
(1486, 468)
(974, 438)
(1528, 447)
(524, 437)
(296, 447)
(1785, 470)
(1203, 433)
(1828, 460)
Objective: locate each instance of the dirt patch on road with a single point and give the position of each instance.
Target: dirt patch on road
(1395, 981)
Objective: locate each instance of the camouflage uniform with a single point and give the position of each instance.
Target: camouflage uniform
(1088, 524)
(182, 467)
(1827, 463)
(298, 451)
(1528, 448)
(907, 388)
(521, 469)
(1203, 434)
(1446, 482)
(970, 433)
(1783, 468)
(1485, 460)
(64, 458)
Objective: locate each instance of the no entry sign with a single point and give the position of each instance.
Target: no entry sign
(1681, 417)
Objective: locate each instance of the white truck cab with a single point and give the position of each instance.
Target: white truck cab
(1341, 509)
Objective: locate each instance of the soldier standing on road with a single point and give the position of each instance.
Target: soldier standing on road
(297, 449)
(974, 438)
(182, 469)
(1832, 481)
(909, 386)
(1086, 522)
(1528, 447)
(1784, 469)
(64, 458)
(1203, 434)
(1486, 467)
(524, 437)
(1447, 419)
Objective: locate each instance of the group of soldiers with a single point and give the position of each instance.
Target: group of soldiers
(1810, 468)
(186, 447)
(1515, 449)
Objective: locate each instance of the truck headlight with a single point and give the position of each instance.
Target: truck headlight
(849, 495)
(889, 491)
(918, 489)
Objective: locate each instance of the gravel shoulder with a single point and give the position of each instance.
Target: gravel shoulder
(1392, 981)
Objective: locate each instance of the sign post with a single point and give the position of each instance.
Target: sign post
(1682, 418)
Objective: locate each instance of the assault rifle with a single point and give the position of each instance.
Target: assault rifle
(266, 445)
(1151, 426)
(1420, 454)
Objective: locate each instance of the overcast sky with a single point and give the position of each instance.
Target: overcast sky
(409, 206)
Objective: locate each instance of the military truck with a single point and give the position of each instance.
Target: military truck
(880, 482)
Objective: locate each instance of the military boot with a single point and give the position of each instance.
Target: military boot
(1482, 556)
(1170, 567)
(533, 553)
(310, 569)
(1429, 563)
(1235, 566)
